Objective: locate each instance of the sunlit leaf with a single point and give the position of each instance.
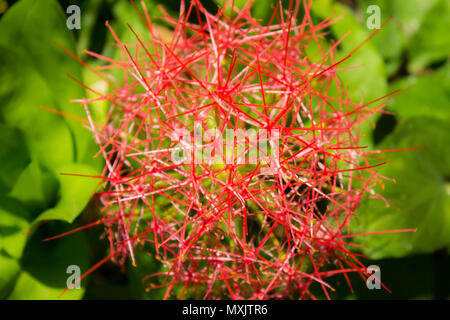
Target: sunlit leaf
(75, 191)
(419, 200)
(44, 267)
(14, 157)
(19, 31)
(14, 222)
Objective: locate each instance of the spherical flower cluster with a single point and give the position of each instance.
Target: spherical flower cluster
(232, 154)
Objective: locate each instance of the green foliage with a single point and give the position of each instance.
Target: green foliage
(22, 90)
(425, 95)
(37, 146)
(431, 43)
(44, 193)
(44, 265)
(75, 193)
(420, 198)
(9, 271)
(411, 52)
(413, 277)
(14, 222)
(14, 156)
(365, 61)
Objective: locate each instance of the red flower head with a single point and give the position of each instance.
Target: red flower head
(232, 155)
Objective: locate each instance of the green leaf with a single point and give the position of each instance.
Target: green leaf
(420, 198)
(226, 4)
(264, 9)
(32, 74)
(431, 43)
(412, 277)
(124, 14)
(429, 95)
(14, 157)
(145, 264)
(75, 192)
(42, 195)
(22, 90)
(367, 82)
(33, 28)
(14, 222)
(9, 270)
(49, 139)
(417, 26)
(44, 266)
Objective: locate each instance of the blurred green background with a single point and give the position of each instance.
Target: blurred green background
(36, 201)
